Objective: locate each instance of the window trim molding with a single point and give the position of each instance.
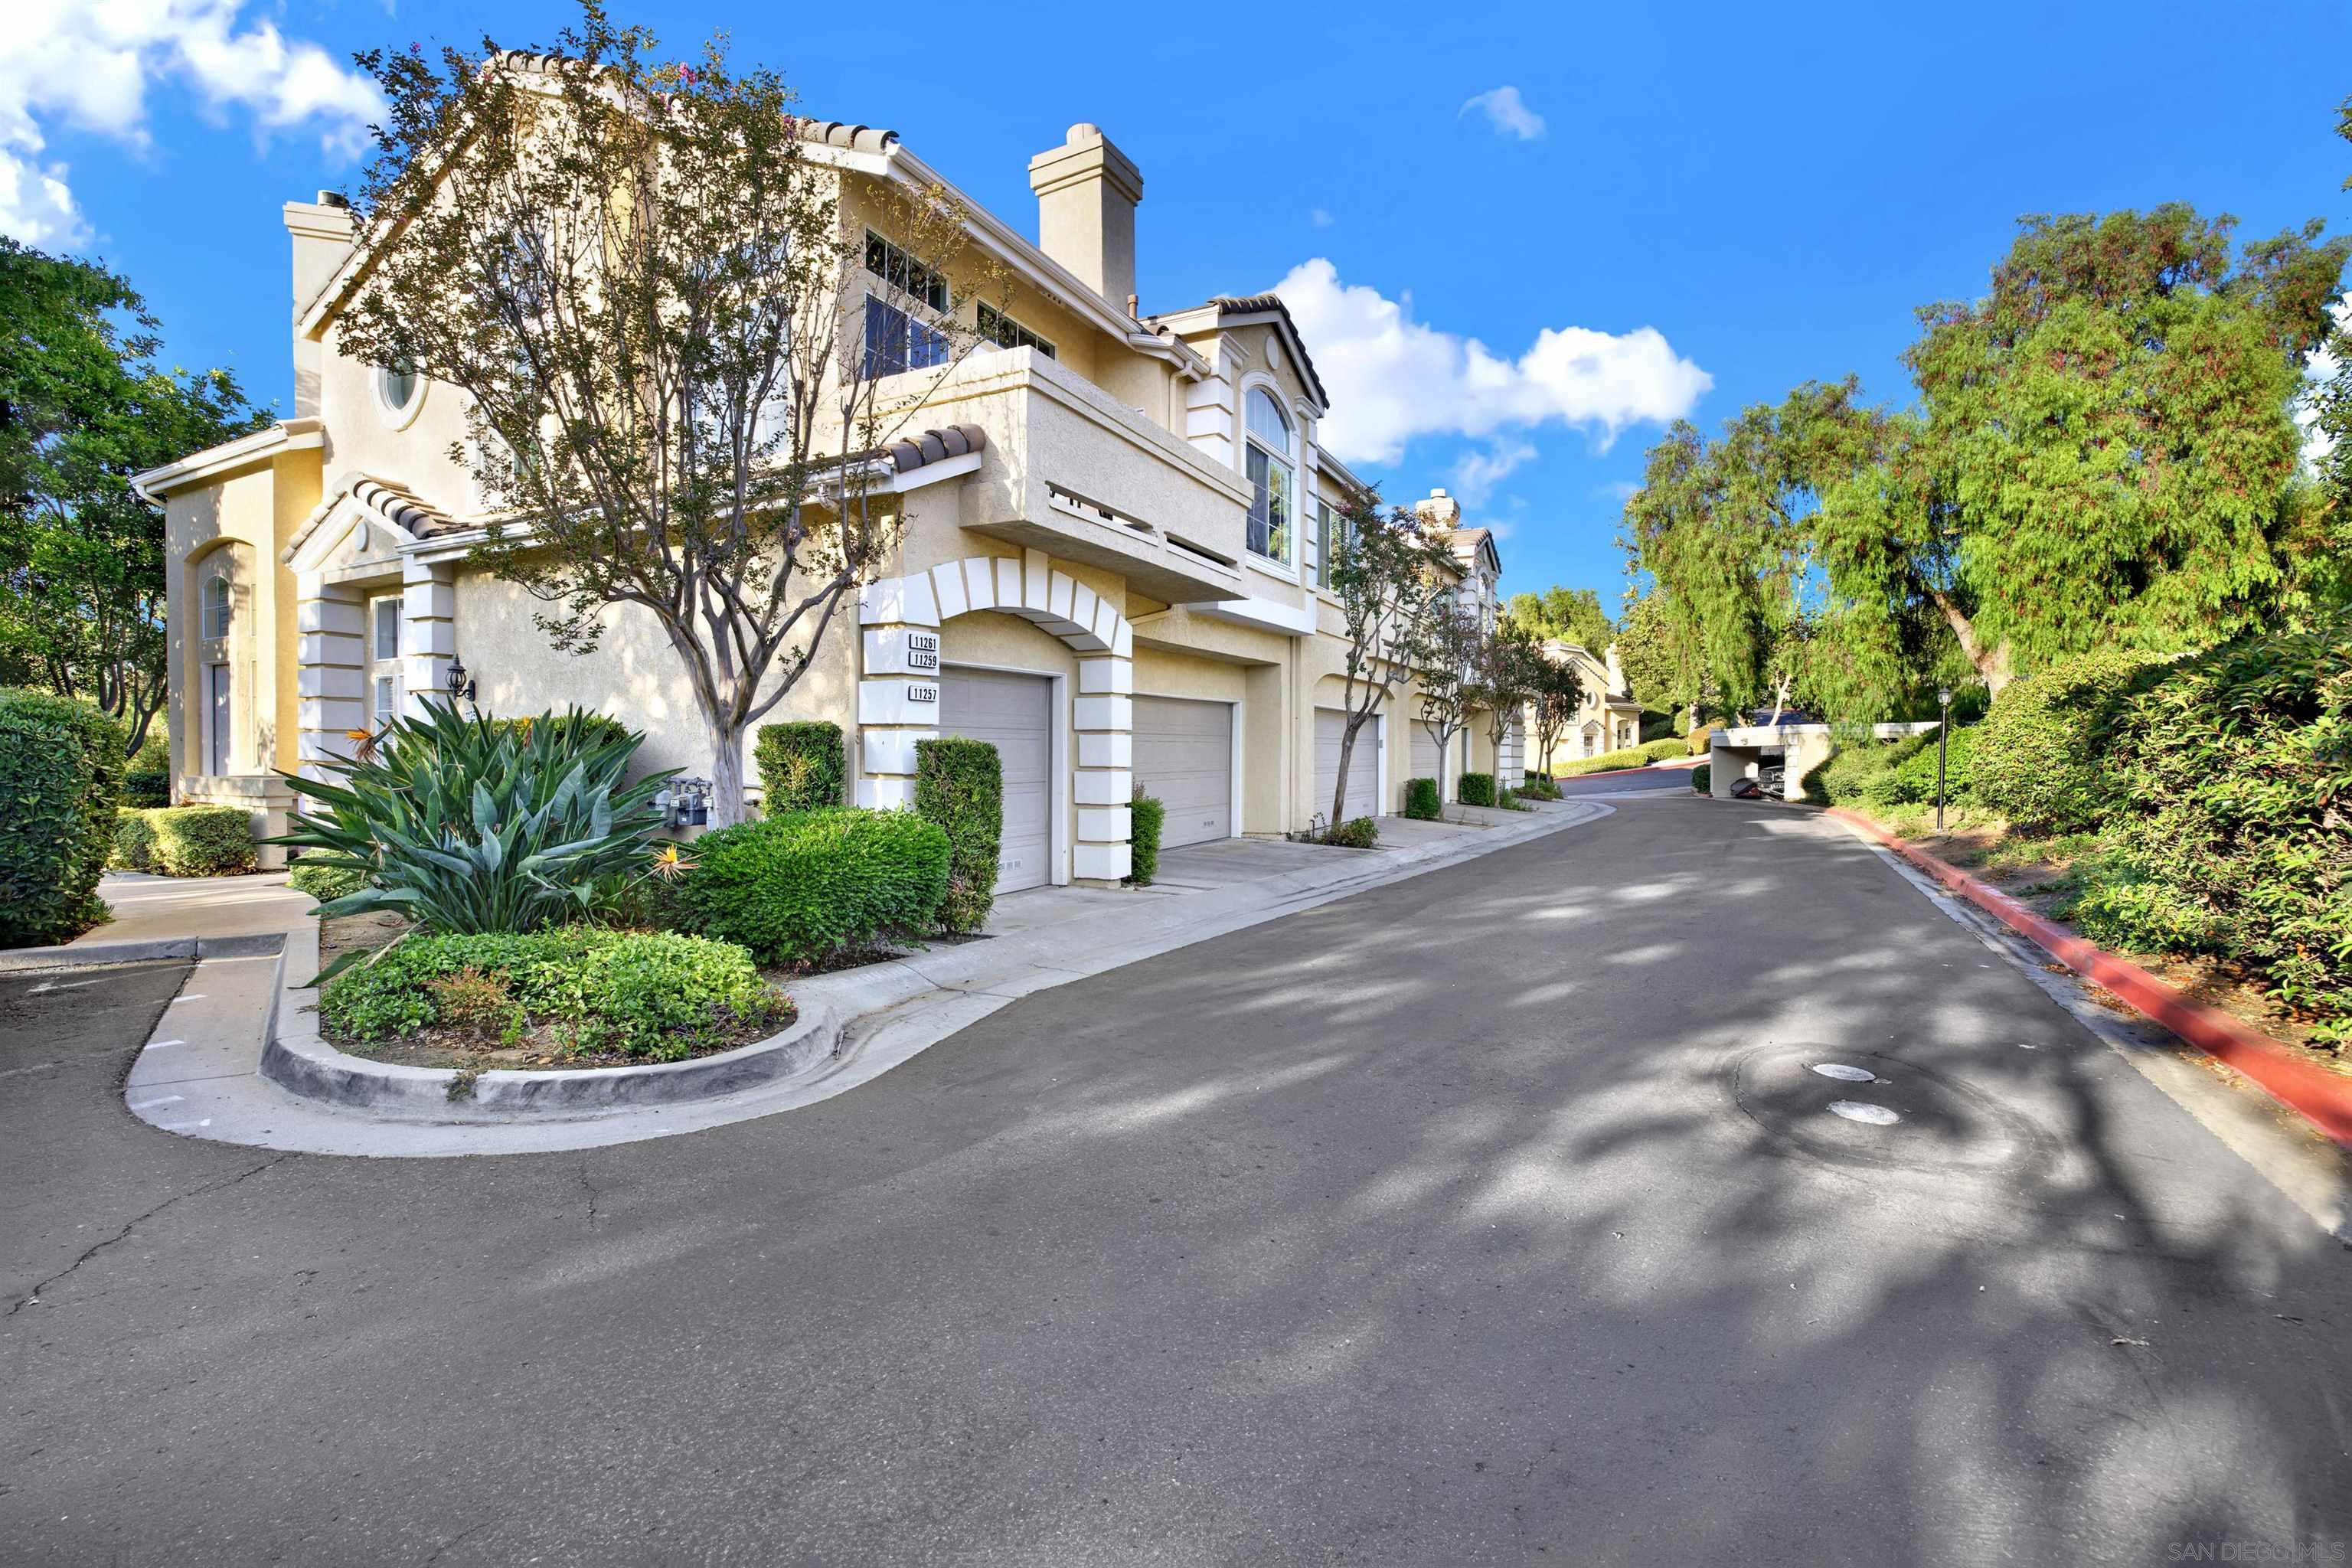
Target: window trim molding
(1288, 569)
(398, 416)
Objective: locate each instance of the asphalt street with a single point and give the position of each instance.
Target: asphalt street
(1495, 1215)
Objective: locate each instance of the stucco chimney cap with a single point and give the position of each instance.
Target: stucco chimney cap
(1084, 130)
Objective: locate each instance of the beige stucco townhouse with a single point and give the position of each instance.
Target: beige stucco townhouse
(1112, 562)
(1607, 719)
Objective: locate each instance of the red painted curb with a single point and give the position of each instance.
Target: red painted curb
(2321, 1097)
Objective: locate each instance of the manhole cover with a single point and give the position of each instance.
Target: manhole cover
(1803, 1097)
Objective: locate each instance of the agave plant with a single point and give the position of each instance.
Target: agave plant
(467, 824)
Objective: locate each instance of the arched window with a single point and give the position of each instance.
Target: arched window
(1268, 467)
(216, 605)
(399, 384)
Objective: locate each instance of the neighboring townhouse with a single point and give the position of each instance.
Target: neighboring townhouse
(1114, 564)
(1607, 718)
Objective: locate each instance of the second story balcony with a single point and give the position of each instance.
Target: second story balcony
(1073, 471)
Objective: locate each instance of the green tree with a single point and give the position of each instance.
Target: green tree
(1658, 648)
(1387, 575)
(2105, 449)
(679, 362)
(1572, 614)
(83, 407)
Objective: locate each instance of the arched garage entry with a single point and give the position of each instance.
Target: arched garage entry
(899, 691)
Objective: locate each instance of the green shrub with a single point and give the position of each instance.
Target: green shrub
(1703, 778)
(135, 841)
(1913, 777)
(800, 887)
(148, 779)
(1356, 832)
(1478, 789)
(1640, 757)
(61, 768)
(475, 825)
(2238, 843)
(202, 840)
(1146, 817)
(1538, 787)
(2041, 750)
(959, 786)
(801, 766)
(1421, 800)
(655, 995)
(324, 883)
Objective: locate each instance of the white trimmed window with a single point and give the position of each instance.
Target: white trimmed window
(897, 342)
(1267, 465)
(217, 606)
(902, 272)
(384, 675)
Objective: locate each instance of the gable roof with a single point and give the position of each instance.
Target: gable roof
(1249, 309)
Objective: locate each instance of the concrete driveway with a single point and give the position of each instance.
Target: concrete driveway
(1494, 1216)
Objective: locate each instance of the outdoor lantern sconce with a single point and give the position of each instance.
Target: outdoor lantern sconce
(461, 685)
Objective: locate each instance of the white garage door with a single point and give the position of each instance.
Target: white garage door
(1014, 714)
(1363, 766)
(1184, 756)
(1425, 763)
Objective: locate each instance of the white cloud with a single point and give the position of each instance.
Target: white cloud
(1506, 111)
(1393, 378)
(1477, 473)
(86, 64)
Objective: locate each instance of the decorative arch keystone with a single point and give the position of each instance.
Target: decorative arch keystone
(898, 689)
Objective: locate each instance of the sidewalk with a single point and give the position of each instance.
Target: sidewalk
(174, 917)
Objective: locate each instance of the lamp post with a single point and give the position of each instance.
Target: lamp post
(1943, 736)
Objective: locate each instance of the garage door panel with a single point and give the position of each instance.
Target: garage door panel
(1426, 764)
(1363, 766)
(1014, 714)
(1185, 758)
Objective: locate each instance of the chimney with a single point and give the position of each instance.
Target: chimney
(1086, 191)
(1439, 510)
(322, 232)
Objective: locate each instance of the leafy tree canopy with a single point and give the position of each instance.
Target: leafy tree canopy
(1573, 615)
(83, 407)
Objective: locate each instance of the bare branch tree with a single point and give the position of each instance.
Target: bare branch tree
(1386, 576)
(1510, 669)
(681, 361)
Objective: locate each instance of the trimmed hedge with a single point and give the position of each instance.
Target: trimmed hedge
(2039, 761)
(801, 766)
(325, 883)
(1356, 832)
(805, 886)
(61, 768)
(1884, 775)
(959, 786)
(1146, 817)
(1478, 789)
(1632, 757)
(1703, 778)
(183, 840)
(2229, 833)
(655, 994)
(148, 779)
(1421, 800)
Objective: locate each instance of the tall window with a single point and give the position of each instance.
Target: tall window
(384, 658)
(897, 342)
(1329, 527)
(216, 719)
(217, 606)
(1267, 465)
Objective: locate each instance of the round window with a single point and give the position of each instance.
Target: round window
(399, 385)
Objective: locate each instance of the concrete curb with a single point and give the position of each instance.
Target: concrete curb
(16, 959)
(298, 1059)
(2321, 1097)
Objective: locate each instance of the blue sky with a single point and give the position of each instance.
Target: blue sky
(1519, 239)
